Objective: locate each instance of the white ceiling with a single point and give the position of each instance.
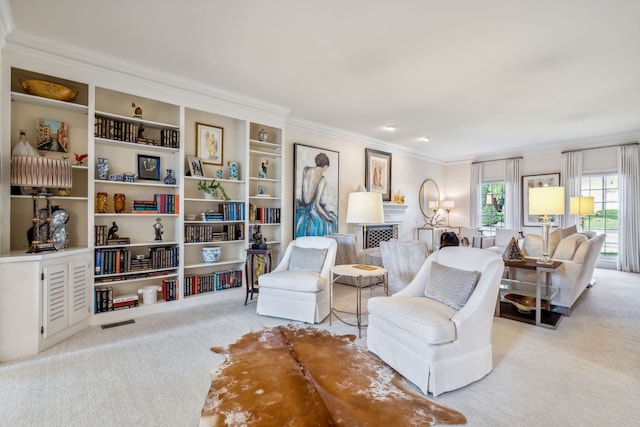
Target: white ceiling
(480, 78)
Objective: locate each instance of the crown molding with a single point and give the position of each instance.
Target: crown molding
(6, 21)
(131, 69)
(341, 134)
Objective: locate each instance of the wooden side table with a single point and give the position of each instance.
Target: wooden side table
(252, 269)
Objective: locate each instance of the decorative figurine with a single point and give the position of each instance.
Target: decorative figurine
(262, 173)
(170, 179)
(137, 112)
(219, 173)
(23, 147)
(262, 135)
(80, 158)
(258, 241)
(113, 232)
(157, 227)
(260, 190)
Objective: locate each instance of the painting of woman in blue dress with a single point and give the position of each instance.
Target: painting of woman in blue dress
(316, 192)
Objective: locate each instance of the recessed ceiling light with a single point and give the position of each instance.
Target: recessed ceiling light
(425, 139)
(390, 128)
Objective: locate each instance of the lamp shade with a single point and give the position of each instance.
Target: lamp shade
(38, 171)
(546, 201)
(365, 208)
(447, 204)
(433, 204)
(583, 205)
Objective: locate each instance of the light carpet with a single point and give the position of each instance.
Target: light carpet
(290, 376)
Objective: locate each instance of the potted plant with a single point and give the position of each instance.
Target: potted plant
(213, 190)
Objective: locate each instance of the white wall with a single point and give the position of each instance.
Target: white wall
(407, 174)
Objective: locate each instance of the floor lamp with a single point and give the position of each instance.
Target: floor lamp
(582, 205)
(40, 173)
(365, 208)
(546, 201)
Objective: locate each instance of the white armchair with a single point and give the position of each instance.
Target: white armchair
(298, 288)
(430, 343)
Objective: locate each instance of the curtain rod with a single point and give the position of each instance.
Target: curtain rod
(496, 160)
(597, 148)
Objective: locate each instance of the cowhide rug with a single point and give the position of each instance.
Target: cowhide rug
(288, 376)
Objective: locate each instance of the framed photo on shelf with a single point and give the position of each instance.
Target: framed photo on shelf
(52, 135)
(316, 170)
(377, 172)
(209, 140)
(531, 181)
(148, 167)
(195, 166)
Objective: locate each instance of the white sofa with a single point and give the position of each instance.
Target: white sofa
(432, 344)
(578, 253)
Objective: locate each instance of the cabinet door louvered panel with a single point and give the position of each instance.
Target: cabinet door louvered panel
(79, 292)
(56, 307)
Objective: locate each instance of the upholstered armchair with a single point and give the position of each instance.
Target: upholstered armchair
(298, 288)
(402, 261)
(441, 342)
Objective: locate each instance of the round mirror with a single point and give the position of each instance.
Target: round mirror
(429, 197)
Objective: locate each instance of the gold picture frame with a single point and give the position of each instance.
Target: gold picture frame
(210, 141)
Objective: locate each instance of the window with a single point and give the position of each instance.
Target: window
(604, 190)
(492, 202)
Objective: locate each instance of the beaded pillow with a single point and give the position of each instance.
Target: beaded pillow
(307, 259)
(450, 286)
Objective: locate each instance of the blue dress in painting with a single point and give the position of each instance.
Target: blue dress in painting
(312, 216)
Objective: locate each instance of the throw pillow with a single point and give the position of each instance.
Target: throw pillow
(307, 259)
(567, 246)
(450, 286)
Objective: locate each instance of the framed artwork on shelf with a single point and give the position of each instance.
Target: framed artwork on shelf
(195, 166)
(531, 181)
(148, 167)
(377, 172)
(209, 140)
(315, 190)
(52, 135)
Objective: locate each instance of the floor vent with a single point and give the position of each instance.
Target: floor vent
(113, 325)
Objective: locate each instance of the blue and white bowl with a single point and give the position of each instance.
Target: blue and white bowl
(211, 254)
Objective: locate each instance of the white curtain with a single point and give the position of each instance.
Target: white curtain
(475, 190)
(512, 195)
(570, 179)
(629, 209)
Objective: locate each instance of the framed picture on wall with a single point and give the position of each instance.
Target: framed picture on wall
(377, 171)
(531, 181)
(315, 190)
(209, 142)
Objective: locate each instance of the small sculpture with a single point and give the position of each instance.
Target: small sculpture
(262, 173)
(233, 170)
(80, 158)
(23, 147)
(157, 227)
(137, 112)
(262, 135)
(113, 232)
(258, 242)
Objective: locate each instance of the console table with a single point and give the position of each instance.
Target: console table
(540, 290)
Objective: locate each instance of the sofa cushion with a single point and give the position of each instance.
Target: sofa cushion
(568, 246)
(423, 317)
(449, 285)
(307, 259)
(554, 239)
(568, 231)
(504, 235)
(532, 245)
(301, 281)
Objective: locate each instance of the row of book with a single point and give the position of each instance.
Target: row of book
(264, 215)
(201, 233)
(161, 204)
(216, 281)
(119, 260)
(233, 211)
(118, 130)
(104, 300)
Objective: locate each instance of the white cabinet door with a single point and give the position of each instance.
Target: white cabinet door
(56, 302)
(79, 302)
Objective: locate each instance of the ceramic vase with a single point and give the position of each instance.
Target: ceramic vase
(211, 254)
(170, 179)
(102, 168)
